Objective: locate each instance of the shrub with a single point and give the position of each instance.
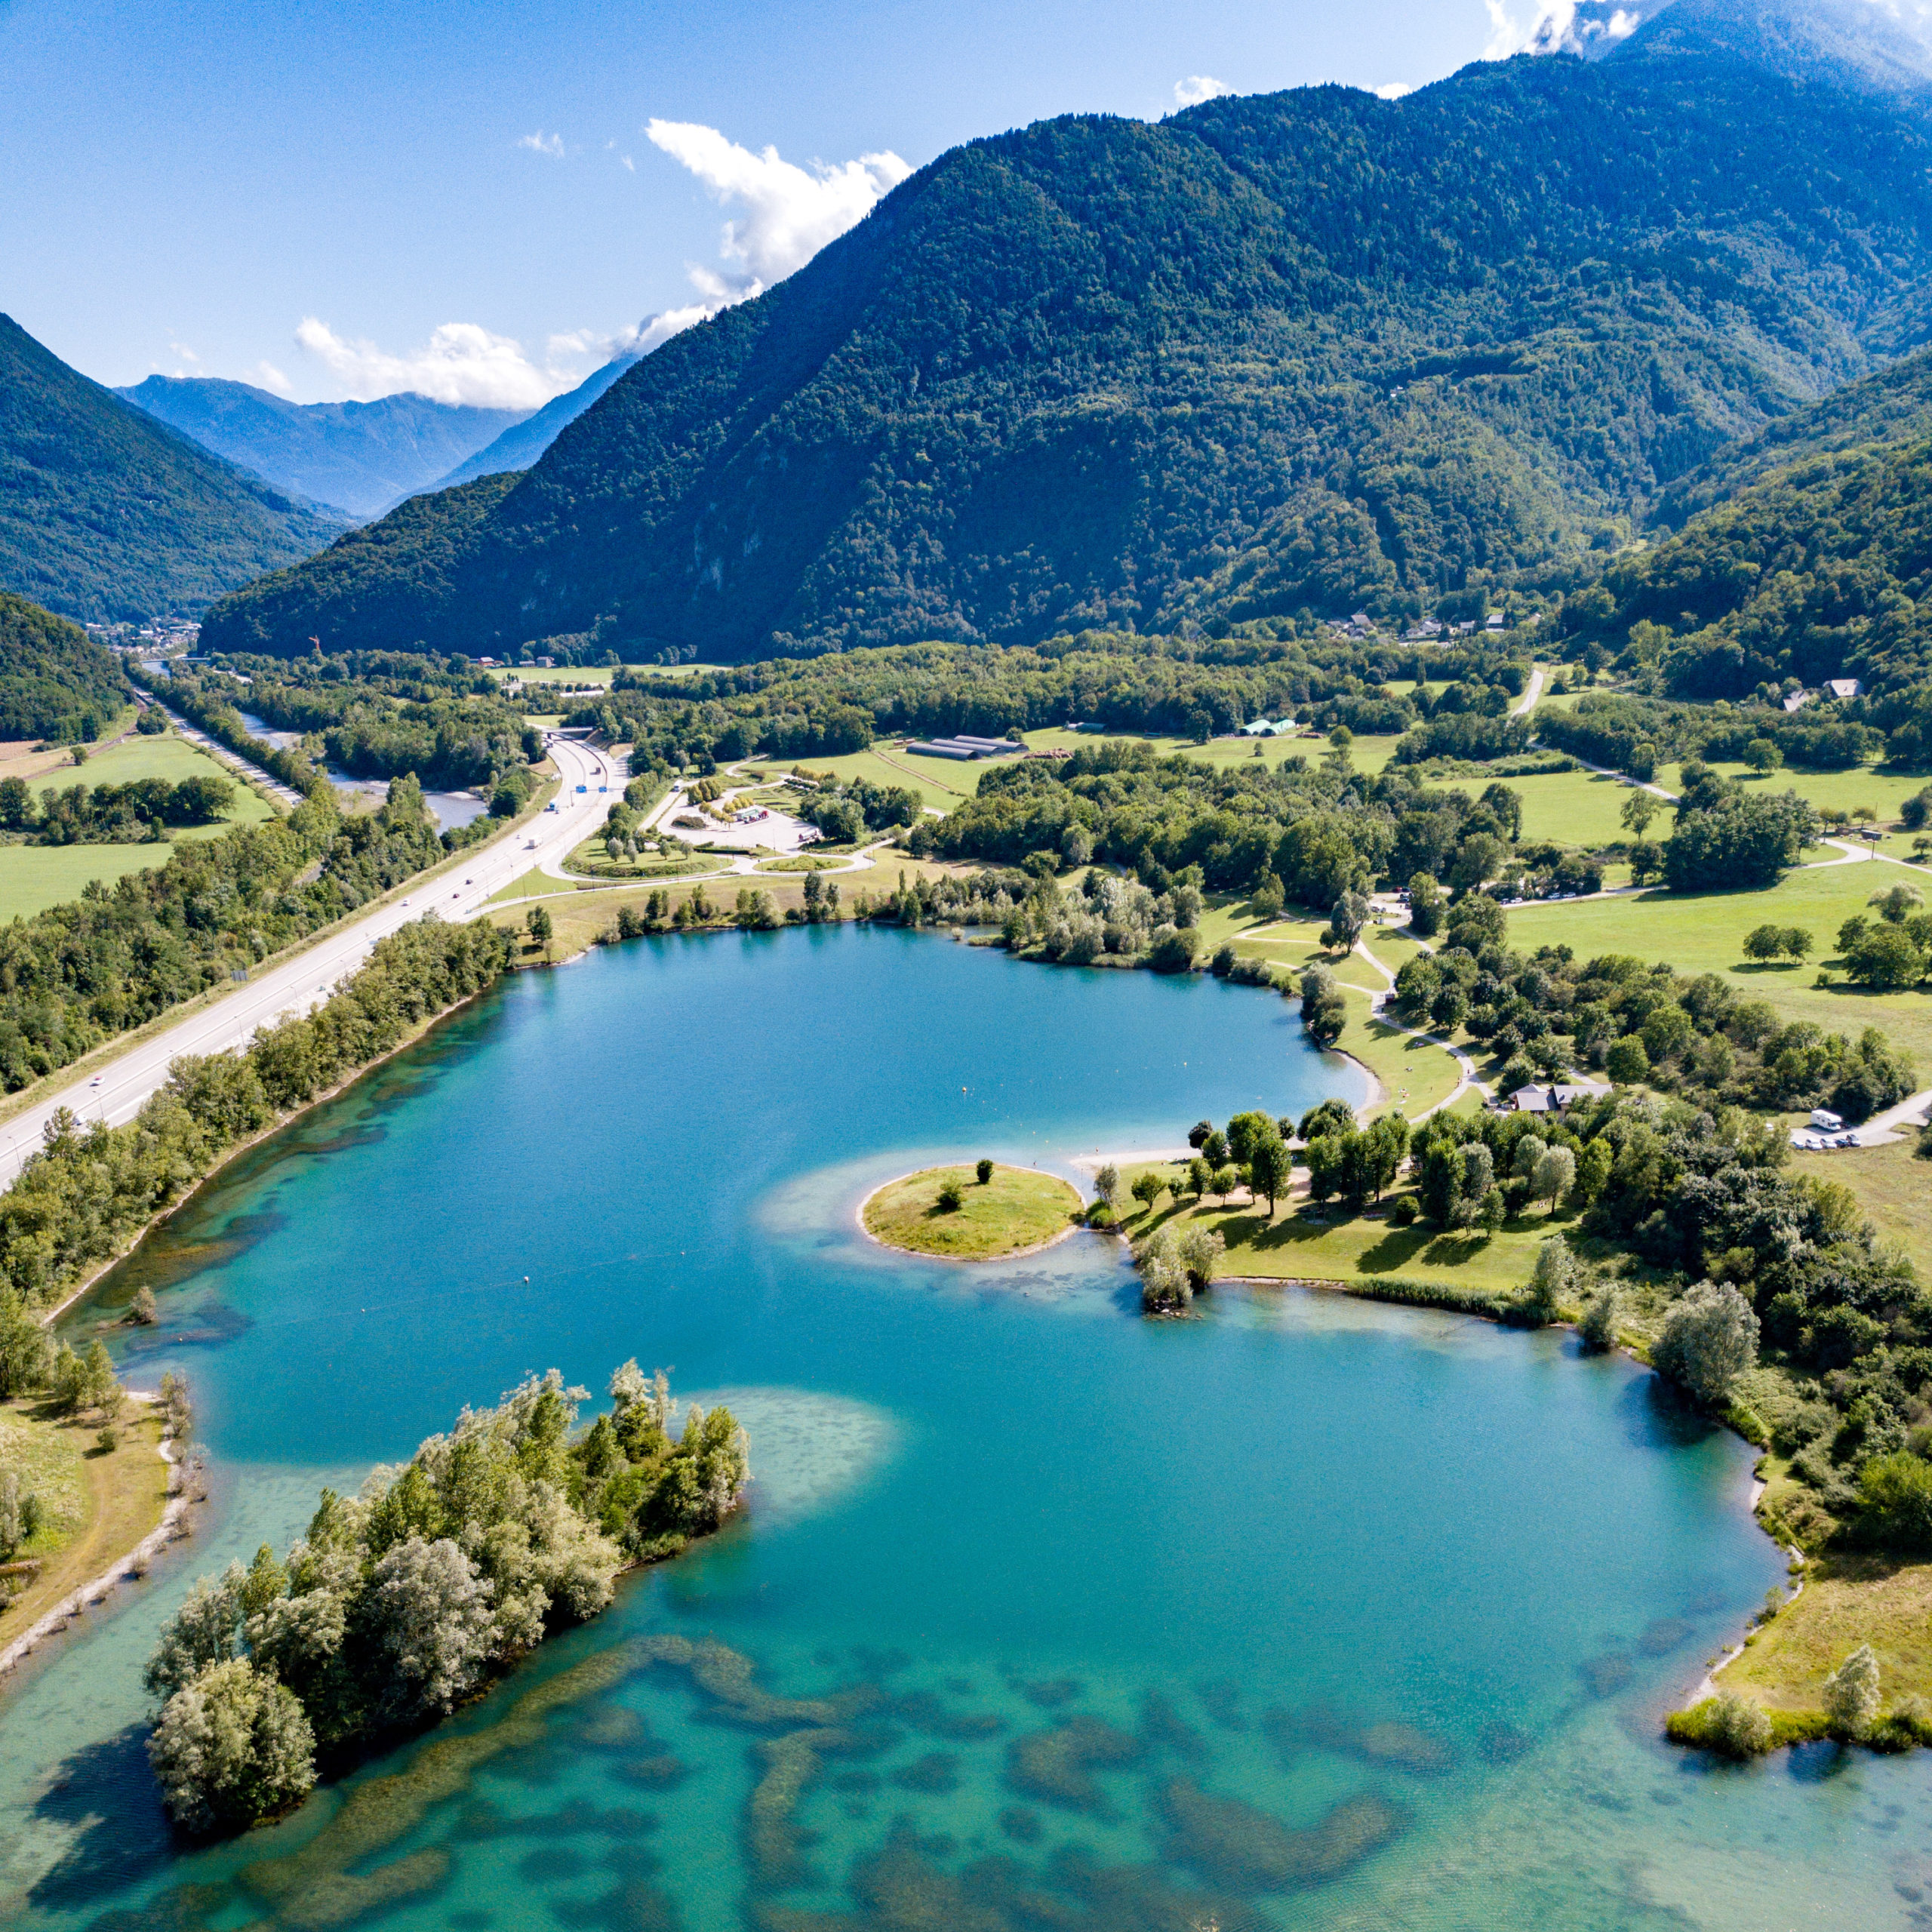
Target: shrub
(984, 1169)
(1896, 1494)
(1709, 1338)
(1727, 1723)
(1553, 1280)
(1851, 1694)
(951, 1198)
(1107, 1183)
(1403, 1211)
(1598, 1329)
(1165, 1286)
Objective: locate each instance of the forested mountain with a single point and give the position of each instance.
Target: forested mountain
(107, 514)
(55, 681)
(520, 446)
(360, 457)
(1278, 355)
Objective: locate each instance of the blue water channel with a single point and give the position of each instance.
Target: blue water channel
(1307, 1613)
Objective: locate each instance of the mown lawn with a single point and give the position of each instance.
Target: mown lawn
(1569, 808)
(1354, 1249)
(940, 783)
(168, 757)
(1893, 1187)
(1704, 933)
(1860, 789)
(1019, 1208)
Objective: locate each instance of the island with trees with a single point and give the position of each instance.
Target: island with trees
(408, 1599)
(982, 1211)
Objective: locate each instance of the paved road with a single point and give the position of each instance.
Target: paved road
(299, 983)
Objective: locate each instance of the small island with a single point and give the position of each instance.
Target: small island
(980, 1212)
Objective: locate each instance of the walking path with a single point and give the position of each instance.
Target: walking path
(1528, 702)
(1379, 1005)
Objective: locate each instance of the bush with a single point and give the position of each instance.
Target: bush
(1851, 1694)
(1726, 1723)
(1598, 1329)
(1895, 1492)
(984, 1170)
(951, 1198)
(1403, 1210)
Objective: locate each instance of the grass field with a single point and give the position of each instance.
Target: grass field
(1703, 933)
(1863, 788)
(1569, 808)
(1019, 1208)
(34, 877)
(1354, 1249)
(941, 782)
(1846, 1600)
(1893, 1187)
(99, 1505)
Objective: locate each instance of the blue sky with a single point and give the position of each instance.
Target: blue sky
(183, 188)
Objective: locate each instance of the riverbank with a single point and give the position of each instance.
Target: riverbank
(105, 1510)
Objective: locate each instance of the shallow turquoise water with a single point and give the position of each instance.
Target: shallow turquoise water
(1303, 1553)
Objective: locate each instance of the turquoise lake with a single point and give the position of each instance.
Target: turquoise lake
(1307, 1613)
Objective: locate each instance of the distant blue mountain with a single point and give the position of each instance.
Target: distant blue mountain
(360, 457)
(517, 448)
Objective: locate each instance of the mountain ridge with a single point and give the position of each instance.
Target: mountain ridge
(107, 514)
(358, 458)
(1274, 354)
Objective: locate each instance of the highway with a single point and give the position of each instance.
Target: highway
(591, 783)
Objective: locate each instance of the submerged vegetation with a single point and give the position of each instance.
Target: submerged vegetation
(402, 1603)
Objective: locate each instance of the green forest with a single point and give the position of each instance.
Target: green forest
(1272, 356)
(109, 516)
(55, 682)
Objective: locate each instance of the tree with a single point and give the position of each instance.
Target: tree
(1895, 1497)
(1324, 1011)
(1555, 1171)
(1638, 810)
(1553, 1280)
(428, 1614)
(1200, 1177)
(1492, 1214)
(1225, 1180)
(1164, 1283)
(1763, 757)
(1241, 1131)
(983, 1170)
(537, 921)
(1886, 958)
(1851, 1694)
(1198, 1249)
(1346, 918)
(99, 1389)
(1794, 942)
(1626, 1062)
(1197, 1135)
(232, 1747)
(1736, 1727)
(1709, 1338)
(1764, 942)
(1424, 906)
(1148, 1188)
(1382, 1150)
(1896, 903)
(1593, 1171)
(1474, 1184)
(1269, 1165)
(1107, 1183)
(24, 1347)
(1215, 1147)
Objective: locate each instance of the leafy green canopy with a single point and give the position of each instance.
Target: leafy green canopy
(1823, 570)
(55, 683)
(1294, 351)
(109, 515)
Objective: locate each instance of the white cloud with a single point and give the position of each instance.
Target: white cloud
(461, 362)
(1395, 89)
(270, 377)
(181, 349)
(1558, 26)
(1197, 87)
(540, 142)
(790, 213)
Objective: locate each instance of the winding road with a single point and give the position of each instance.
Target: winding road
(457, 890)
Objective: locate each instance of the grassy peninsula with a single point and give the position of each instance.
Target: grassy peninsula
(982, 1213)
